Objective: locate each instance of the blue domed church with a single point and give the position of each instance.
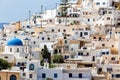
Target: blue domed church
(15, 51)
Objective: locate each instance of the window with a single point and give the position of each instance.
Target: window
(109, 69)
(48, 38)
(110, 12)
(88, 20)
(31, 67)
(64, 30)
(108, 18)
(58, 13)
(94, 37)
(112, 75)
(6, 57)
(13, 77)
(103, 3)
(103, 44)
(10, 49)
(80, 53)
(97, 3)
(65, 37)
(58, 30)
(85, 33)
(52, 30)
(112, 45)
(103, 52)
(70, 75)
(17, 49)
(76, 33)
(34, 42)
(24, 74)
(55, 75)
(30, 76)
(113, 58)
(107, 52)
(117, 75)
(43, 75)
(80, 75)
(42, 38)
(65, 41)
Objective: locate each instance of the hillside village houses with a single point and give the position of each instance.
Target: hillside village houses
(85, 32)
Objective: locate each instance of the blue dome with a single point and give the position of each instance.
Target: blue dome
(14, 42)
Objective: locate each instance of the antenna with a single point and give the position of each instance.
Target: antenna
(41, 8)
(29, 15)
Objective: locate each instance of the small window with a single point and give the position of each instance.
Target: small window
(70, 75)
(76, 33)
(64, 30)
(113, 58)
(58, 30)
(17, 49)
(65, 41)
(103, 44)
(80, 75)
(34, 42)
(117, 75)
(103, 3)
(52, 30)
(42, 38)
(65, 37)
(10, 49)
(13, 77)
(113, 46)
(30, 76)
(43, 75)
(108, 18)
(94, 37)
(80, 53)
(85, 33)
(55, 75)
(107, 52)
(97, 3)
(24, 74)
(31, 67)
(110, 12)
(48, 38)
(88, 20)
(6, 57)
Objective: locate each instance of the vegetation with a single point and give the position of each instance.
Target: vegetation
(58, 58)
(4, 64)
(45, 55)
(49, 79)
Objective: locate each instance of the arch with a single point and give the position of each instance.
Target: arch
(13, 77)
(31, 67)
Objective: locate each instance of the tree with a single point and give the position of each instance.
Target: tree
(58, 59)
(4, 64)
(46, 55)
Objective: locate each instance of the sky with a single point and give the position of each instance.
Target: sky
(18, 10)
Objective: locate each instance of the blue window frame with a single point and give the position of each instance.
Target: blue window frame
(30, 76)
(55, 75)
(43, 75)
(31, 67)
(13, 77)
(97, 3)
(103, 3)
(70, 75)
